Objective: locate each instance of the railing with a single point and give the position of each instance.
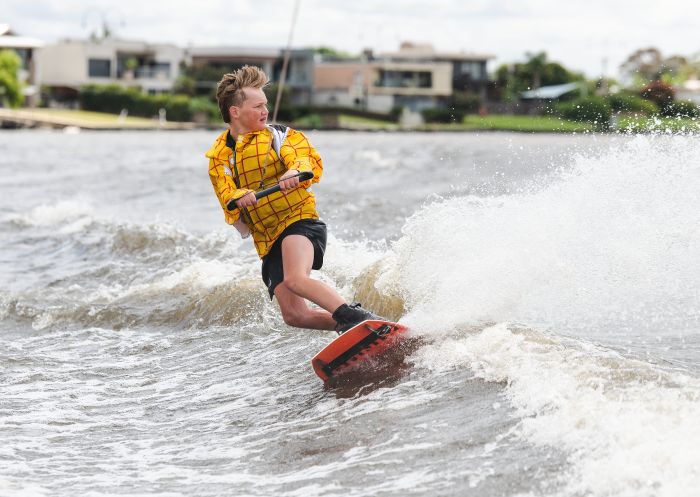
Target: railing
(151, 73)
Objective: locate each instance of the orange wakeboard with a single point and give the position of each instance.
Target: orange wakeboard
(357, 346)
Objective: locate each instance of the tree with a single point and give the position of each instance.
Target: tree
(648, 64)
(662, 94)
(10, 87)
(535, 72)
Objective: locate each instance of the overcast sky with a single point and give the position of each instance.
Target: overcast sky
(580, 34)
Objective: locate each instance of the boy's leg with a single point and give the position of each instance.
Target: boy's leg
(297, 259)
(296, 312)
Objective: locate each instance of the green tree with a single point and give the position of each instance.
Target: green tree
(10, 87)
(535, 72)
(329, 53)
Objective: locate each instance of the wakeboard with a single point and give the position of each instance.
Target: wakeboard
(360, 345)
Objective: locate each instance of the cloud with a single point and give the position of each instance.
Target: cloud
(580, 34)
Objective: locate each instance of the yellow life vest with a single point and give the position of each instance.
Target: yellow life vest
(259, 162)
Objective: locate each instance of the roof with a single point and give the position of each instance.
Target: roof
(8, 39)
(223, 51)
(425, 51)
(550, 92)
(443, 56)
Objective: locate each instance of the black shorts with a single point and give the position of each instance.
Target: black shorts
(272, 270)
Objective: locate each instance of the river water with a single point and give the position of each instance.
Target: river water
(551, 284)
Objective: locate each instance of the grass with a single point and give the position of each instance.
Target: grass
(88, 119)
(644, 124)
(92, 117)
(530, 124)
(348, 121)
(470, 123)
(524, 123)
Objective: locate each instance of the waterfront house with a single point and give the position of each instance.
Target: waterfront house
(68, 65)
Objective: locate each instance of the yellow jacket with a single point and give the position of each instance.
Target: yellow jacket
(273, 213)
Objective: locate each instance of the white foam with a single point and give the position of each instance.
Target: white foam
(51, 214)
(375, 159)
(628, 427)
(611, 243)
(608, 247)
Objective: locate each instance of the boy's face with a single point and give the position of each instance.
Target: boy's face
(252, 113)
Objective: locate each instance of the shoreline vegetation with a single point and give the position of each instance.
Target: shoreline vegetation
(89, 120)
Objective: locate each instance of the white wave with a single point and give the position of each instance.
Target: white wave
(629, 428)
(51, 214)
(612, 243)
(375, 159)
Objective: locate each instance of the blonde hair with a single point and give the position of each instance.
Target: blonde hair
(229, 90)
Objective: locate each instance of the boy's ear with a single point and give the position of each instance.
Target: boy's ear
(233, 112)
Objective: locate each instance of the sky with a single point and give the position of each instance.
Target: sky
(591, 36)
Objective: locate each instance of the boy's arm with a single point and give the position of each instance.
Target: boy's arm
(224, 187)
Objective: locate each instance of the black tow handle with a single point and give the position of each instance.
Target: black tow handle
(303, 176)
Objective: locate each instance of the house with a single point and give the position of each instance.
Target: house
(380, 86)
(469, 69)
(552, 92)
(70, 64)
(208, 64)
(415, 77)
(26, 48)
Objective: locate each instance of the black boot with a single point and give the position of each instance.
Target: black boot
(348, 316)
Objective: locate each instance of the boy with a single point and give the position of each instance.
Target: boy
(288, 235)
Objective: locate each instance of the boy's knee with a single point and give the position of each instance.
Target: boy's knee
(294, 283)
(293, 317)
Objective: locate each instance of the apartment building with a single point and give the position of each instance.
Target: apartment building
(415, 77)
(379, 86)
(68, 65)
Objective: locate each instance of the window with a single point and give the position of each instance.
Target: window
(473, 69)
(404, 79)
(99, 68)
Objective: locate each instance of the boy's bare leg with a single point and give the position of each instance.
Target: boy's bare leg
(297, 258)
(296, 312)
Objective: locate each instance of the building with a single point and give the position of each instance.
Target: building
(208, 64)
(26, 48)
(469, 70)
(380, 86)
(553, 92)
(416, 77)
(68, 65)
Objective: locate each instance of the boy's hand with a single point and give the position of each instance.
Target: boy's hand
(289, 180)
(247, 200)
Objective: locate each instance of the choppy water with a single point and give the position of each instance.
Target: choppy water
(552, 282)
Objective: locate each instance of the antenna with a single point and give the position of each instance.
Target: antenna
(285, 62)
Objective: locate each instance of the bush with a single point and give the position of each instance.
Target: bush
(625, 102)
(114, 98)
(353, 111)
(206, 108)
(177, 108)
(659, 92)
(587, 109)
(438, 115)
(395, 113)
(465, 102)
(681, 108)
